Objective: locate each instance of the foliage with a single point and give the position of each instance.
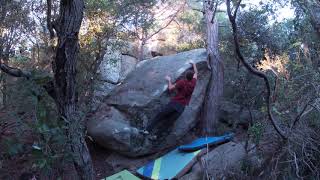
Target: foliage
(15, 23)
(189, 46)
(292, 100)
(256, 132)
(12, 146)
(287, 51)
(48, 149)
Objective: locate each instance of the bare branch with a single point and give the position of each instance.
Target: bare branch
(168, 23)
(14, 71)
(127, 54)
(300, 114)
(214, 11)
(49, 18)
(237, 8)
(199, 10)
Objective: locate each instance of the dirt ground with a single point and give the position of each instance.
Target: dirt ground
(106, 162)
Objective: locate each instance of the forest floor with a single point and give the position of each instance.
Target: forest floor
(105, 162)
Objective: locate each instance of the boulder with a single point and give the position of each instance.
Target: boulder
(133, 104)
(128, 63)
(113, 69)
(110, 67)
(234, 115)
(129, 49)
(219, 162)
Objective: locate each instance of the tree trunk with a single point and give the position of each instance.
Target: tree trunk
(5, 84)
(1, 90)
(64, 68)
(215, 87)
(141, 50)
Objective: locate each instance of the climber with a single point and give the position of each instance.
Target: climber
(184, 89)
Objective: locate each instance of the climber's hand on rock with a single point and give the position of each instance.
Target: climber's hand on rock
(168, 78)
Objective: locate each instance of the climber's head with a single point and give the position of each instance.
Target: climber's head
(189, 75)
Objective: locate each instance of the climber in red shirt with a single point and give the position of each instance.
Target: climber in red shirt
(184, 89)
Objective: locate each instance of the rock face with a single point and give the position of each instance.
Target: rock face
(222, 160)
(109, 69)
(113, 69)
(128, 63)
(234, 115)
(134, 103)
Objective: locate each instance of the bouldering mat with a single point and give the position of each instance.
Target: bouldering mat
(123, 175)
(202, 142)
(172, 165)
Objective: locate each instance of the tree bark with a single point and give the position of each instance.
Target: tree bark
(1, 90)
(215, 87)
(64, 68)
(49, 18)
(141, 50)
(5, 85)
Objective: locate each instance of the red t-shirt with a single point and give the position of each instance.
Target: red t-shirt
(184, 91)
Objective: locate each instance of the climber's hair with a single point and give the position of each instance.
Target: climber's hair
(189, 75)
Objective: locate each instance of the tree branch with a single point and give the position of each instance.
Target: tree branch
(301, 113)
(168, 23)
(232, 18)
(214, 11)
(49, 18)
(14, 71)
(236, 9)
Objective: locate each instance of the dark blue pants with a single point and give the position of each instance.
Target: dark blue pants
(171, 111)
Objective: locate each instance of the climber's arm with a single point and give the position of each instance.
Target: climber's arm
(171, 86)
(195, 69)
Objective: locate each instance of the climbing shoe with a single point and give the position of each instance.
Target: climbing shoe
(144, 132)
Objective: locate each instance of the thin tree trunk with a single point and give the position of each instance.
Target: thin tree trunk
(5, 85)
(141, 50)
(49, 14)
(64, 68)
(4, 91)
(2, 76)
(215, 88)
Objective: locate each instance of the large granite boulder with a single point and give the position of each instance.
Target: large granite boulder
(113, 70)
(110, 67)
(128, 63)
(133, 104)
(218, 163)
(234, 115)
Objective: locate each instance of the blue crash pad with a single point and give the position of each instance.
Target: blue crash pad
(203, 142)
(172, 165)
